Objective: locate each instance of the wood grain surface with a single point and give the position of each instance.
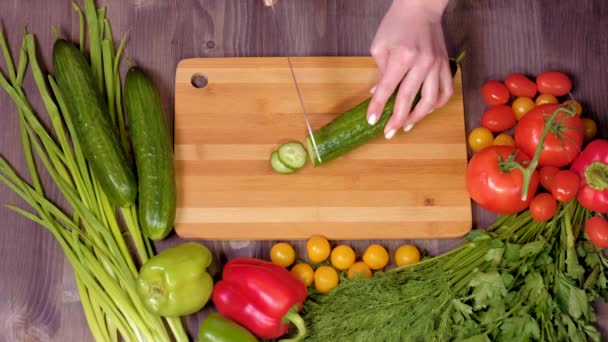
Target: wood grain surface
(412, 186)
(38, 298)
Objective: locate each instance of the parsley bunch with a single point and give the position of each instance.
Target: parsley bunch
(519, 280)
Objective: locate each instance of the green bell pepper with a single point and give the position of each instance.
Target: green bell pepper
(175, 282)
(217, 328)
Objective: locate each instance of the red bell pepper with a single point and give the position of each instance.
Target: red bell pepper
(261, 296)
(592, 168)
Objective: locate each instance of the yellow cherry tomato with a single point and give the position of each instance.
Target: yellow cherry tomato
(590, 129)
(480, 138)
(407, 254)
(544, 99)
(304, 272)
(359, 269)
(521, 106)
(504, 140)
(376, 257)
(282, 254)
(576, 105)
(326, 279)
(318, 249)
(342, 257)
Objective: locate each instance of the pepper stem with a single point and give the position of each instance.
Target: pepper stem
(596, 176)
(293, 317)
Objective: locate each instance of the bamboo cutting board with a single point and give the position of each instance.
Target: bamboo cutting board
(412, 186)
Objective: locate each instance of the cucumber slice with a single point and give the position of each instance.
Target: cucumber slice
(276, 164)
(293, 155)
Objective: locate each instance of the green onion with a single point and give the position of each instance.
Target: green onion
(90, 236)
(81, 19)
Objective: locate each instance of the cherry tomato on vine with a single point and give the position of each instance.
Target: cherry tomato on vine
(590, 128)
(495, 92)
(480, 138)
(504, 139)
(574, 104)
(556, 151)
(547, 173)
(521, 106)
(493, 186)
(565, 185)
(304, 272)
(544, 99)
(553, 82)
(543, 207)
(376, 257)
(318, 249)
(282, 254)
(326, 279)
(597, 230)
(359, 269)
(498, 118)
(520, 85)
(342, 257)
(407, 254)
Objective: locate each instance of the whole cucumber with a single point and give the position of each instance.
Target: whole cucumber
(153, 153)
(98, 137)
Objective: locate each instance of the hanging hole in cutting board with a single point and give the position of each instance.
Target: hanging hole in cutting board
(199, 81)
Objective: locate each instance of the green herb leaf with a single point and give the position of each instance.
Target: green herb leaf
(520, 328)
(577, 303)
(534, 288)
(592, 260)
(494, 256)
(488, 287)
(477, 235)
(475, 338)
(592, 332)
(512, 252)
(507, 278)
(462, 311)
(573, 268)
(494, 313)
(532, 248)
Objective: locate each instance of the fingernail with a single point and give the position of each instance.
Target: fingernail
(408, 128)
(373, 118)
(390, 133)
(373, 90)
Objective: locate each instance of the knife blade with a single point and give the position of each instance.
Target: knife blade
(271, 4)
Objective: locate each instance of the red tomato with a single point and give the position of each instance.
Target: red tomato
(543, 207)
(565, 185)
(597, 231)
(554, 82)
(498, 118)
(555, 152)
(492, 188)
(547, 173)
(495, 93)
(520, 86)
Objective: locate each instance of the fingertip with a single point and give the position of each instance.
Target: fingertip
(372, 119)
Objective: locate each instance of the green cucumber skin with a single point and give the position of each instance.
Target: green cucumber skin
(98, 137)
(153, 153)
(351, 129)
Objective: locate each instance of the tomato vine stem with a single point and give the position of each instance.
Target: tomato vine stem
(549, 126)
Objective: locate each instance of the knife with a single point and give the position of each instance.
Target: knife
(271, 4)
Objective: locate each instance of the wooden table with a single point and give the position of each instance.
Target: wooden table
(38, 298)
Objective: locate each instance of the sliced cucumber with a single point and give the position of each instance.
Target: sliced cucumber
(293, 155)
(277, 165)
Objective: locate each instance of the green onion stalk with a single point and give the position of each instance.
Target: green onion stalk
(90, 235)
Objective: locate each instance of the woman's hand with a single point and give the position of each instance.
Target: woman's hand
(409, 48)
